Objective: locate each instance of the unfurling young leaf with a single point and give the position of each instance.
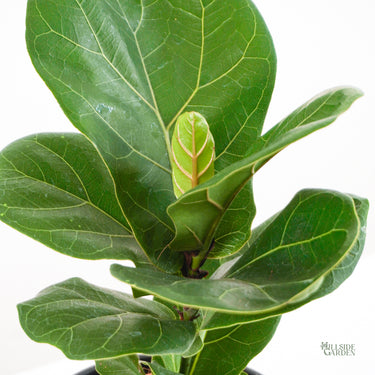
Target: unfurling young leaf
(193, 151)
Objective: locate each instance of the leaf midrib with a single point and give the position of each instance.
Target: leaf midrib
(156, 107)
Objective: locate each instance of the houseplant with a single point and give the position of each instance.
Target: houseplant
(74, 197)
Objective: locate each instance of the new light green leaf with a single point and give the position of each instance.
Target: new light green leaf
(198, 213)
(229, 350)
(124, 71)
(128, 365)
(97, 323)
(193, 152)
(56, 189)
(310, 239)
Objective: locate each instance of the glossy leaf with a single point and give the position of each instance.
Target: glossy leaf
(217, 267)
(339, 274)
(124, 71)
(229, 350)
(118, 366)
(331, 280)
(193, 152)
(87, 53)
(88, 322)
(310, 239)
(197, 214)
(234, 229)
(322, 109)
(56, 189)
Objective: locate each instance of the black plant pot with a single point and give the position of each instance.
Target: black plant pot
(91, 371)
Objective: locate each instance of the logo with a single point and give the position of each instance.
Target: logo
(338, 350)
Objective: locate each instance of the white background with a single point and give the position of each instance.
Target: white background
(320, 44)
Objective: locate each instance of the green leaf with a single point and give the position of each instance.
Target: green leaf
(329, 282)
(195, 347)
(56, 189)
(170, 362)
(339, 274)
(193, 152)
(322, 109)
(283, 269)
(157, 369)
(88, 322)
(124, 71)
(217, 265)
(128, 365)
(234, 228)
(234, 347)
(197, 214)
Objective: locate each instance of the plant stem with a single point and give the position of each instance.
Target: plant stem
(198, 260)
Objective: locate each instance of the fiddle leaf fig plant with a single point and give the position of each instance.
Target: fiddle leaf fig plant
(169, 98)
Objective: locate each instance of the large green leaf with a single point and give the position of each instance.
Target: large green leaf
(87, 54)
(88, 322)
(56, 189)
(330, 282)
(197, 214)
(128, 365)
(229, 350)
(323, 109)
(283, 269)
(124, 70)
